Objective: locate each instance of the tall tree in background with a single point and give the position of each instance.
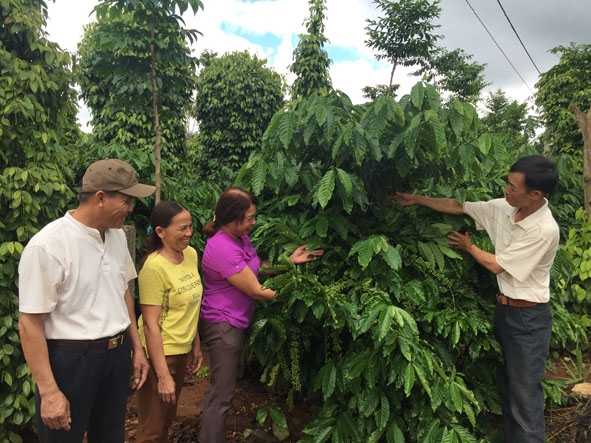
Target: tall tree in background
(38, 120)
(453, 72)
(137, 75)
(509, 120)
(564, 98)
(237, 94)
(404, 34)
(311, 61)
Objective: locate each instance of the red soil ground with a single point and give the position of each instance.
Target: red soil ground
(566, 424)
(241, 424)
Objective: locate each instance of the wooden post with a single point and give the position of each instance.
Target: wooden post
(584, 121)
(130, 235)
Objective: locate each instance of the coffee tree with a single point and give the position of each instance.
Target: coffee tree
(390, 332)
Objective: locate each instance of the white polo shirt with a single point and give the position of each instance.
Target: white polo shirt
(67, 271)
(524, 249)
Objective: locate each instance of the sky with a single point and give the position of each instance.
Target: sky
(512, 37)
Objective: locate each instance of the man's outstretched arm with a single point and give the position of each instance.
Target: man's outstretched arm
(446, 205)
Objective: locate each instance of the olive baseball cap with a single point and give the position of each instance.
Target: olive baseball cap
(114, 175)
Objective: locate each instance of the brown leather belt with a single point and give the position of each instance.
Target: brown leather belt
(502, 299)
(101, 343)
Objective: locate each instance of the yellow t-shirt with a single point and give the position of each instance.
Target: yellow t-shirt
(178, 290)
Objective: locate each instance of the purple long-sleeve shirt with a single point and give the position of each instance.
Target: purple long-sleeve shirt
(223, 257)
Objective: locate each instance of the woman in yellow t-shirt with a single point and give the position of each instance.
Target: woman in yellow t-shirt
(170, 297)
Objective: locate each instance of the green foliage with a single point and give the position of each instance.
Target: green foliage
(559, 88)
(453, 72)
(567, 198)
(509, 120)
(391, 331)
(310, 60)
(278, 421)
(373, 92)
(573, 270)
(404, 34)
(390, 313)
(38, 115)
(122, 88)
(35, 94)
(237, 94)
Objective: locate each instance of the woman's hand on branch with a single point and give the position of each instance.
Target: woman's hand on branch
(301, 255)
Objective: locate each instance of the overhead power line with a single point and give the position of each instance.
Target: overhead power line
(518, 38)
(498, 46)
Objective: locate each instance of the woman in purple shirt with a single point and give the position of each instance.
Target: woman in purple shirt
(230, 268)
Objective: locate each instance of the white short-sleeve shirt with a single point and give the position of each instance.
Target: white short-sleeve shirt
(524, 249)
(68, 272)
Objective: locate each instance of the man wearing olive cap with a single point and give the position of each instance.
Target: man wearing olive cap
(77, 323)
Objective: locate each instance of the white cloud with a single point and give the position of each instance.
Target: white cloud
(66, 20)
(541, 24)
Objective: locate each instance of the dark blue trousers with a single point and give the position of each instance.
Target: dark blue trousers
(96, 383)
(524, 334)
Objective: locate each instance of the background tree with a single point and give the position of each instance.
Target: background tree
(562, 86)
(564, 99)
(404, 34)
(137, 76)
(373, 92)
(452, 72)
(509, 120)
(37, 124)
(310, 60)
(236, 96)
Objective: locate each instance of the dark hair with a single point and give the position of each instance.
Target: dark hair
(162, 216)
(540, 173)
(231, 206)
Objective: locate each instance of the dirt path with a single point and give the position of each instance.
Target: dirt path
(241, 425)
(567, 424)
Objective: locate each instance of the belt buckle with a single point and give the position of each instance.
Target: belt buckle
(115, 341)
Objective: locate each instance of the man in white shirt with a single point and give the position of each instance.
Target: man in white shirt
(525, 236)
(77, 320)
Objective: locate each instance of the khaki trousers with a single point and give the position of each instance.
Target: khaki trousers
(155, 416)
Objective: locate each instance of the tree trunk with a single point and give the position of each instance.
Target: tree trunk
(584, 121)
(130, 234)
(392, 74)
(158, 129)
